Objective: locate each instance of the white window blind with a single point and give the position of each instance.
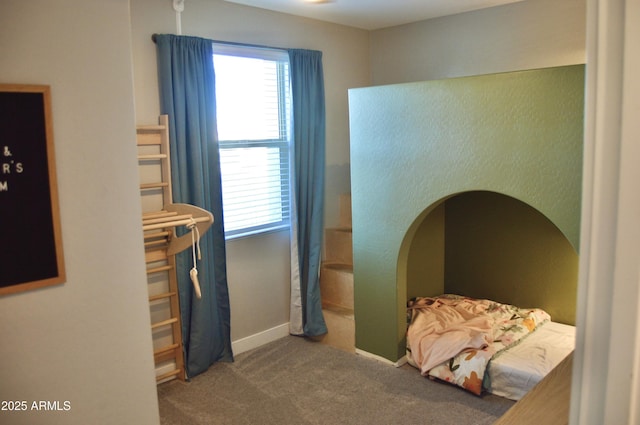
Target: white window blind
(253, 110)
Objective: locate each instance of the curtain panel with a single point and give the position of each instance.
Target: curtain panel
(307, 85)
(187, 94)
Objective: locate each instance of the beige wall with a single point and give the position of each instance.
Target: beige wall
(523, 35)
(87, 341)
(258, 267)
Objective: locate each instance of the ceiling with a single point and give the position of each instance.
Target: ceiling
(372, 14)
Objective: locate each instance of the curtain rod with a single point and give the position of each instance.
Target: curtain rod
(234, 43)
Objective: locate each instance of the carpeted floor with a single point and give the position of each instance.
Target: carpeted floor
(297, 381)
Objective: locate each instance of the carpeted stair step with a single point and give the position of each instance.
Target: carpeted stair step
(341, 328)
(336, 285)
(338, 246)
(336, 282)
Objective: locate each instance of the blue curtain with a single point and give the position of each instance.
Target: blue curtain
(307, 85)
(187, 95)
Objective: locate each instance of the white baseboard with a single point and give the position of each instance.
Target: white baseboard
(239, 346)
(259, 339)
(368, 355)
(401, 361)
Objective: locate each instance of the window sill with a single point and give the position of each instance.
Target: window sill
(260, 232)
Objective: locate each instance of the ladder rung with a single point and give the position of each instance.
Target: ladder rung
(159, 269)
(151, 244)
(162, 296)
(150, 127)
(161, 357)
(164, 323)
(164, 235)
(168, 375)
(165, 350)
(156, 255)
(152, 156)
(165, 219)
(156, 214)
(147, 186)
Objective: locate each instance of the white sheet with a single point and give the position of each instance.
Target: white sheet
(514, 372)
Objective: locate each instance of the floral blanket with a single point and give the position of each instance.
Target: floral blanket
(453, 338)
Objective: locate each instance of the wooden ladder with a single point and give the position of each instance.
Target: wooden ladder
(155, 165)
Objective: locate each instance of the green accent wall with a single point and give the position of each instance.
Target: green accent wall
(415, 145)
(499, 248)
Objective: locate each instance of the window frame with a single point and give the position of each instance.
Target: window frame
(283, 143)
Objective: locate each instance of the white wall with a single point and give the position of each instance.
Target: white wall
(258, 267)
(87, 341)
(523, 35)
(607, 361)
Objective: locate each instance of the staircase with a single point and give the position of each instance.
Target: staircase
(336, 282)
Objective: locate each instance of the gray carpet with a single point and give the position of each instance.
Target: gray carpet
(297, 381)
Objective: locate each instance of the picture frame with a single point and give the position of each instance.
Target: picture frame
(31, 251)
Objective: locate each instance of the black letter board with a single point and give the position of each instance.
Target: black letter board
(30, 241)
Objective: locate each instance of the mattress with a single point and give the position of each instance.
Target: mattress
(517, 370)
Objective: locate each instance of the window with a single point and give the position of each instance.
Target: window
(253, 117)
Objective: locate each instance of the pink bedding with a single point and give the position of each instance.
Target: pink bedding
(453, 338)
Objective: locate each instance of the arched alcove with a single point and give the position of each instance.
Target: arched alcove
(489, 245)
